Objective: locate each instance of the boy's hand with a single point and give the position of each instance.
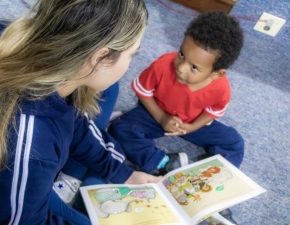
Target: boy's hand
(142, 178)
(185, 129)
(171, 124)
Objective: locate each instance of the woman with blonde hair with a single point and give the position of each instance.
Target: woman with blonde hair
(54, 63)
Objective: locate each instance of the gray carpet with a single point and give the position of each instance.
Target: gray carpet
(259, 108)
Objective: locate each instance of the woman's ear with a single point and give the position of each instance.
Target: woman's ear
(217, 74)
(98, 55)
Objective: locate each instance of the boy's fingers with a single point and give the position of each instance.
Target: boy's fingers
(176, 133)
(180, 131)
(177, 119)
(171, 134)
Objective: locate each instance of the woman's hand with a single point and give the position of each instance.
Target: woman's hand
(142, 178)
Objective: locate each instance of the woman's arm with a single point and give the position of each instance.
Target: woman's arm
(101, 153)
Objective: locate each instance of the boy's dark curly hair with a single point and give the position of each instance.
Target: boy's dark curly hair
(217, 31)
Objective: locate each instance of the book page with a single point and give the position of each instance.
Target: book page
(206, 187)
(217, 219)
(127, 204)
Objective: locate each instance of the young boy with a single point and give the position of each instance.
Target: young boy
(182, 94)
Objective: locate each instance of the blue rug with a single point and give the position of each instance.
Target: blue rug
(259, 108)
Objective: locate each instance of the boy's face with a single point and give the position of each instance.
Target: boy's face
(194, 65)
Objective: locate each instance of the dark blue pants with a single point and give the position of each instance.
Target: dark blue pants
(136, 129)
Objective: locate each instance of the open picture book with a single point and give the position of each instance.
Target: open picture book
(186, 196)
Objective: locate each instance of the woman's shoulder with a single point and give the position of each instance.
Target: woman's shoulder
(48, 124)
(51, 106)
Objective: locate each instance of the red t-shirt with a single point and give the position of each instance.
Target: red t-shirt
(159, 81)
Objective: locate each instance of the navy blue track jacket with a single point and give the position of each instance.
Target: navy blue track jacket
(47, 132)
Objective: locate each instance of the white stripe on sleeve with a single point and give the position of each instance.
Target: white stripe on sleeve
(140, 89)
(111, 147)
(17, 205)
(108, 146)
(16, 167)
(29, 136)
(217, 113)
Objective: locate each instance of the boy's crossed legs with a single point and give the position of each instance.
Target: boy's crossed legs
(136, 129)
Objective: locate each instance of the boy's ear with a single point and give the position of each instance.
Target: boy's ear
(98, 55)
(217, 74)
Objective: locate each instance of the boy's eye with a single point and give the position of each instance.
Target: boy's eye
(180, 54)
(194, 68)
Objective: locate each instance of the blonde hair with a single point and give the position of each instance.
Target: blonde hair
(47, 47)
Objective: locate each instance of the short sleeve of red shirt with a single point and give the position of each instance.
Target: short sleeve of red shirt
(218, 108)
(144, 85)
